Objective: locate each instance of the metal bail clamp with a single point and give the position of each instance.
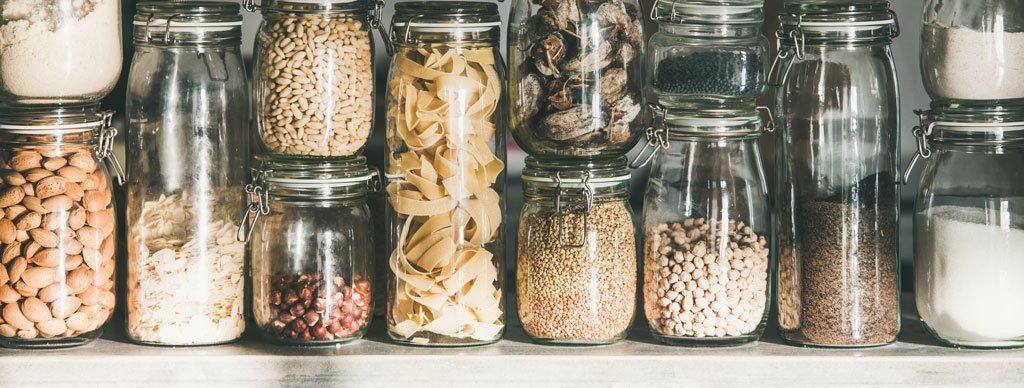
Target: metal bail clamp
(924, 151)
(588, 195)
(375, 19)
(105, 149)
(250, 5)
(257, 204)
(392, 37)
(657, 137)
(770, 126)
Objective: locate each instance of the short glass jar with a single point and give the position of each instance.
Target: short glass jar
(576, 77)
(837, 167)
(57, 231)
(311, 245)
(972, 51)
(708, 54)
(707, 223)
(446, 175)
(56, 52)
(969, 227)
(576, 252)
(314, 81)
(187, 151)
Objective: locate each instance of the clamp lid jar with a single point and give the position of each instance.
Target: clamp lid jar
(314, 81)
(58, 230)
(576, 77)
(708, 54)
(56, 52)
(576, 252)
(312, 250)
(969, 227)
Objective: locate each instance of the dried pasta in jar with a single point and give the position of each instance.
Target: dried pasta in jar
(446, 177)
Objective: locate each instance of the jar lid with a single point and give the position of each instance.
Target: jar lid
(186, 22)
(445, 16)
(713, 123)
(311, 6)
(977, 120)
(576, 174)
(837, 20)
(709, 11)
(62, 120)
(295, 174)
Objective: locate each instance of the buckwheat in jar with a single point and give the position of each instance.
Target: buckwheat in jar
(314, 77)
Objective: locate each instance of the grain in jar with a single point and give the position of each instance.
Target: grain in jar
(314, 78)
(576, 261)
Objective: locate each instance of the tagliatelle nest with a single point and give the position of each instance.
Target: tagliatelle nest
(186, 279)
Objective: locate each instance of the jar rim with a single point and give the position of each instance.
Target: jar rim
(314, 6)
(61, 120)
(187, 22)
(443, 16)
(708, 12)
(596, 173)
(300, 174)
(823, 20)
(968, 120)
(714, 123)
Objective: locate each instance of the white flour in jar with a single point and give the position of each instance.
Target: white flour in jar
(965, 64)
(970, 274)
(45, 54)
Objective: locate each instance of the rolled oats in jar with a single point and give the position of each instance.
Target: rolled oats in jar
(314, 77)
(57, 231)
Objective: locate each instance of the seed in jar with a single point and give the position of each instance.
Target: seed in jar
(696, 285)
(317, 98)
(305, 307)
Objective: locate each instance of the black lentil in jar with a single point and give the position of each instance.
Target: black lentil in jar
(719, 73)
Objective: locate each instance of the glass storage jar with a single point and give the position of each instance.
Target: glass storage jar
(969, 227)
(576, 252)
(312, 251)
(576, 77)
(837, 166)
(57, 52)
(706, 223)
(313, 85)
(972, 51)
(187, 150)
(58, 228)
(708, 54)
(446, 175)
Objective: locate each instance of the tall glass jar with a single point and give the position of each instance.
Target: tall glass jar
(972, 51)
(187, 148)
(313, 84)
(837, 162)
(57, 230)
(706, 223)
(446, 175)
(576, 77)
(708, 54)
(312, 251)
(969, 227)
(576, 252)
(57, 52)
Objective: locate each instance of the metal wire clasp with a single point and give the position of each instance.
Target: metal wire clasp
(588, 195)
(376, 19)
(257, 204)
(105, 150)
(657, 137)
(924, 151)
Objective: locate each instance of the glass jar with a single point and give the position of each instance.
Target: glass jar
(56, 52)
(576, 77)
(969, 230)
(837, 166)
(972, 51)
(708, 54)
(312, 251)
(313, 85)
(446, 175)
(58, 228)
(576, 253)
(706, 223)
(187, 149)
